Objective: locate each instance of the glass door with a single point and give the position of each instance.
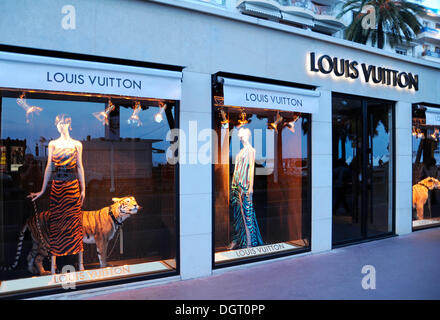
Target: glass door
(379, 218)
(362, 169)
(347, 169)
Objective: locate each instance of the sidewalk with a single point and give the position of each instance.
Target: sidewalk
(407, 267)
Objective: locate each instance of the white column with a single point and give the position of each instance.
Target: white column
(322, 175)
(403, 168)
(195, 177)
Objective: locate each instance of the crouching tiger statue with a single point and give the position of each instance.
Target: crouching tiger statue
(99, 227)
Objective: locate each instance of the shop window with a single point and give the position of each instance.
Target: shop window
(261, 183)
(126, 225)
(426, 160)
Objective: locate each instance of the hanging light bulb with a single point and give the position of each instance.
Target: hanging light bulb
(158, 117)
(102, 116)
(291, 125)
(242, 120)
(414, 131)
(278, 120)
(225, 121)
(434, 135)
(21, 101)
(134, 118)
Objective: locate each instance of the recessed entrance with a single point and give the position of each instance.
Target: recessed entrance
(362, 169)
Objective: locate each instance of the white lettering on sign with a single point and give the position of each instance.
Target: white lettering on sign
(259, 250)
(254, 251)
(70, 277)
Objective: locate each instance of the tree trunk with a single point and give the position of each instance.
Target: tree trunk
(380, 35)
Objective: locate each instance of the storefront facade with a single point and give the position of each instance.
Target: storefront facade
(301, 114)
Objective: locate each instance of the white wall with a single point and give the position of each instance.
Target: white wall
(322, 174)
(403, 165)
(195, 178)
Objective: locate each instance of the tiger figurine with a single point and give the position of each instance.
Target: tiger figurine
(421, 194)
(99, 227)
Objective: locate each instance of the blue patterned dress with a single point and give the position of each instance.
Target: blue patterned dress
(246, 231)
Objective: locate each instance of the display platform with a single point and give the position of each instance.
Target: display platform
(69, 280)
(228, 255)
(425, 222)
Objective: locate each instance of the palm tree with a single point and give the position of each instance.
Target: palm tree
(394, 18)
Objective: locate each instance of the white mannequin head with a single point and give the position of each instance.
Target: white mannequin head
(244, 134)
(63, 123)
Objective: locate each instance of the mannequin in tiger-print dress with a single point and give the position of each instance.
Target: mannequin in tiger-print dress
(67, 194)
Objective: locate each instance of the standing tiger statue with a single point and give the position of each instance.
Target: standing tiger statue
(421, 194)
(99, 227)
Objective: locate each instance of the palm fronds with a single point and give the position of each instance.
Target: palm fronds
(396, 22)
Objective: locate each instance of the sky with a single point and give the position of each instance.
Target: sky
(434, 4)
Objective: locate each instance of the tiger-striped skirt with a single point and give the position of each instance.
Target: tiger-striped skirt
(65, 225)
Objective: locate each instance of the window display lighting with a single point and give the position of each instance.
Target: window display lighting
(103, 115)
(134, 118)
(21, 101)
(158, 117)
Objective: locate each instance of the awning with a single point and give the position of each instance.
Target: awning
(22, 71)
(268, 96)
(432, 116)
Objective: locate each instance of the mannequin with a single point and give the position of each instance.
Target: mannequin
(66, 198)
(247, 233)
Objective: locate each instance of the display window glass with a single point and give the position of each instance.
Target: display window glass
(426, 160)
(104, 193)
(261, 183)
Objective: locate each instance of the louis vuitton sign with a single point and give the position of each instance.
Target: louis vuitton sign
(345, 68)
